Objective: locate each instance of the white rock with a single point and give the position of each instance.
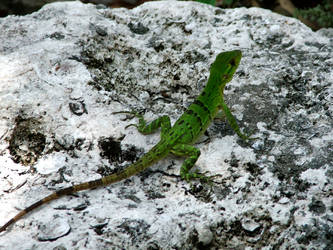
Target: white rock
(67, 67)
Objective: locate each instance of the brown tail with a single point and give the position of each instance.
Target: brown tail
(53, 196)
(157, 152)
(73, 189)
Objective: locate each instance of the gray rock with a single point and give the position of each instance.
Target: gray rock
(67, 67)
(54, 230)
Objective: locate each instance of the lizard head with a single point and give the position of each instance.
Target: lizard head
(225, 65)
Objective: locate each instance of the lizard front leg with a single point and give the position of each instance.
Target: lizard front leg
(232, 121)
(162, 122)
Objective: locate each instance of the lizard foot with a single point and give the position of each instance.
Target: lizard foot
(133, 113)
(201, 176)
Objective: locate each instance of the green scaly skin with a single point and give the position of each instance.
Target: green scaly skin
(177, 139)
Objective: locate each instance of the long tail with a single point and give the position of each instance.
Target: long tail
(159, 151)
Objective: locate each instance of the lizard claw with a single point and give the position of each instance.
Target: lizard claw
(201, 176)
(248, 137)
(134, 113)
(130, 125)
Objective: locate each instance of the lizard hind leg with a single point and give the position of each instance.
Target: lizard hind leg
(192, 154)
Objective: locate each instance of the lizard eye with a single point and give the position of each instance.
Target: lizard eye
(233, 62)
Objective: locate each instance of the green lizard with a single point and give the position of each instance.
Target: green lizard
(177, 139)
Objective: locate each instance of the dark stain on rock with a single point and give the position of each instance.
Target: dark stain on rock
(26, 143)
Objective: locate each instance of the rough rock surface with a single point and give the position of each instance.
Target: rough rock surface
(67, 67)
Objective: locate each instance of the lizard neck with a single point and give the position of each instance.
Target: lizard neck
(212, 95)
